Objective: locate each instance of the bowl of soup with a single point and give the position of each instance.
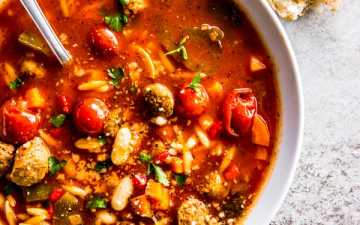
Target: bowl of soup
(171, 112)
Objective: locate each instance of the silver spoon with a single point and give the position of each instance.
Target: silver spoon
(36, 14)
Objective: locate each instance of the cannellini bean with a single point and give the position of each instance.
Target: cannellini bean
(9, 214)
(202, 137)
(122, 146)
(105, 217)
(75, 190)
(37, 212)
(122, 194)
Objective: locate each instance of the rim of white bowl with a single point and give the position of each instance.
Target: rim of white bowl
(292, 112)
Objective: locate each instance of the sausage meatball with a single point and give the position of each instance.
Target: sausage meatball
(6, 156)
(31, 163)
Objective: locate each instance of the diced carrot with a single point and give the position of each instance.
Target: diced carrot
(159, 193)
(260, 132)
(177, 165)
(200, 155)
(232, 172)
(256, 64)
(261, 153)
(141, 206)
(215, 90)
(35, 98)
(228, 157)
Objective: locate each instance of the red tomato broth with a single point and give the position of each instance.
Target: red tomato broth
(175, 16)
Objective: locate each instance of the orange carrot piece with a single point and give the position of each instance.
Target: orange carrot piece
(260, 132)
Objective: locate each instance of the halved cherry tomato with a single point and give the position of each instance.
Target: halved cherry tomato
(193, 102)
(240, 107)
(104, 40)
(232, 172)
(139, 181)
(65, 103)
(56, 194)
(18, 123)
(216, 129)
(89, 115)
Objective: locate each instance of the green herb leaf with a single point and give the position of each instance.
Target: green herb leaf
(116, 22)
(55, 165)
(144, 157)
(15, 84)
(102, 140)
(101, 166)
(180, 179)
(9, 189)
(96, 203)
(180, 49)
(117, 74)
(195, 82)
(160, 175)
(124, 2)
(58, 120)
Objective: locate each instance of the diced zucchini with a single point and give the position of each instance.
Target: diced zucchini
(34, 42)
(39, 192)
(65, 207)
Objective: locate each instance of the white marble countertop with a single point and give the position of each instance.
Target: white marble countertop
(326, 188)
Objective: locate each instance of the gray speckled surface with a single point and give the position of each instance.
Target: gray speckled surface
(326, 188)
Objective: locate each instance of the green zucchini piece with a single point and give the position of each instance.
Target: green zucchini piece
(34, 42)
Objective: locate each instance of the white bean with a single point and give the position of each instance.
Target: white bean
(122, 194)
(104, 217)
(122, 146)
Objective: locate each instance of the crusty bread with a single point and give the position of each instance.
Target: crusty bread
(292, 9)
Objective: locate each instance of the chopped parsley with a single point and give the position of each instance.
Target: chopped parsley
(195, 82)
(116, 22)
(55, 165)
(96, 203)
(116, 74)
(144, 157)
(124, 2)
(180, 179)
(160, 175)
(103, 165)
(15, 84)
(180, 49)
(58, 120)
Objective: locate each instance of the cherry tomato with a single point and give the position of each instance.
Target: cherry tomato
(18, 123)
(216, 129)
(56, 194)
(193, 102)
(232, 172)
(65, 103)
(89, 115)
(239, 109)
(104, 40)
(139, 181)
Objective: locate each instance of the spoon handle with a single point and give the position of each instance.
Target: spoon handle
(36, 14)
